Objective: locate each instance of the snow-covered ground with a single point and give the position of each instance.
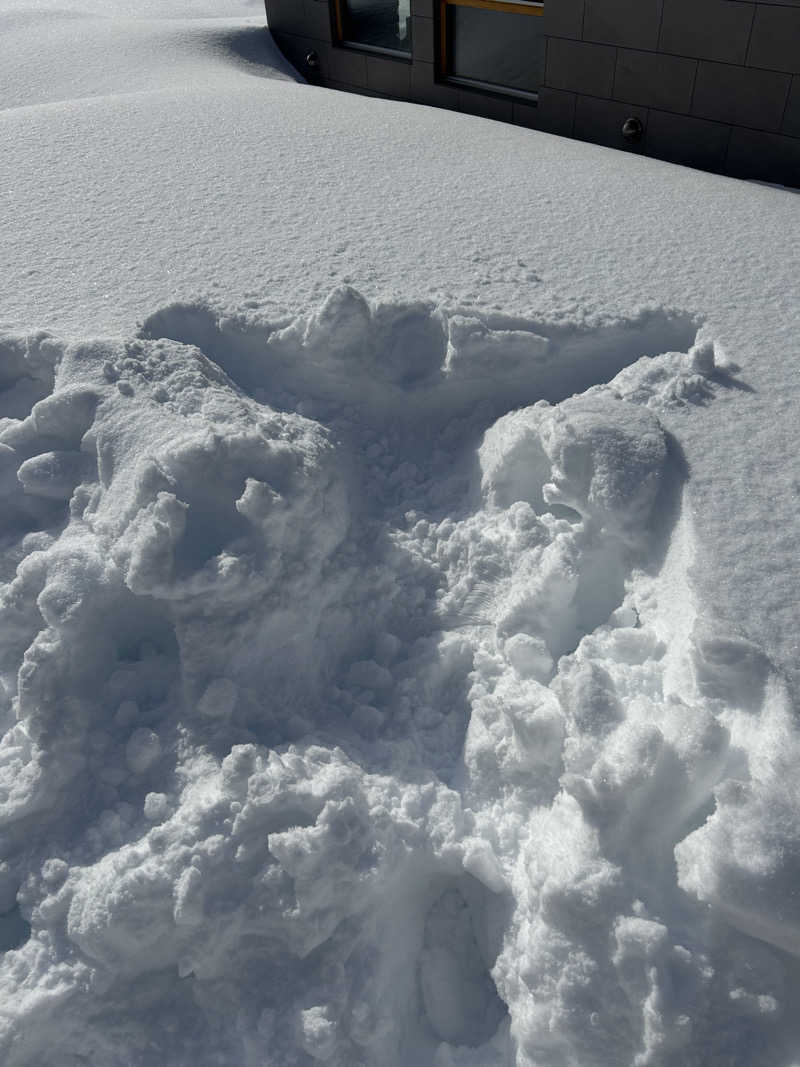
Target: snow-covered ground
(398, 559)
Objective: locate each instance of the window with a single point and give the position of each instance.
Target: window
(492, 44)
(376, 25)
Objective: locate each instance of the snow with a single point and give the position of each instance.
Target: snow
(398, 615)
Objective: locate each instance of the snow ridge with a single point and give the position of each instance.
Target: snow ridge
(358, 709)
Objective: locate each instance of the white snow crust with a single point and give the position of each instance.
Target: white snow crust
(398, 614)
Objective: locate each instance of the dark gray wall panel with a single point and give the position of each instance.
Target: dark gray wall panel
(390, 76)
(655, 80)
(527, 115)
(349, 67)
(765, 156)
(426, 90)
(706, 29)
(580, 67)
(557, 111)
(422, 39)
(487, 107)
(775, 41)
(318, 20)
(740, 95)
(791, 117)
(630, 23)
(563, 19)
(287, 16)
(683, 139)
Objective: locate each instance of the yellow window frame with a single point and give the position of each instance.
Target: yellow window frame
(337, 15)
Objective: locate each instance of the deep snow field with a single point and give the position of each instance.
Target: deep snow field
(398, 575)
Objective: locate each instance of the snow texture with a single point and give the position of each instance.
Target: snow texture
(360, 710)
(375, 688)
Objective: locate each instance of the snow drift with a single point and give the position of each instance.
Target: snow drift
(358, 708)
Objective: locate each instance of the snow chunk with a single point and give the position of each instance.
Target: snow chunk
(600, 457)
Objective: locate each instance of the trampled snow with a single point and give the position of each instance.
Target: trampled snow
(398, 618)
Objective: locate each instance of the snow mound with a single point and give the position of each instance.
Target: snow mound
(357, 707)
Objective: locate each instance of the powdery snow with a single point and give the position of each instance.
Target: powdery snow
(398, 617)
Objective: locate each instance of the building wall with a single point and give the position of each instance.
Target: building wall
(715, 83)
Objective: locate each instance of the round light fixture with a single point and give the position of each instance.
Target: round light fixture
(632, 129)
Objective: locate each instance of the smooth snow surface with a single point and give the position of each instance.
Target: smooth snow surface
(398, 578)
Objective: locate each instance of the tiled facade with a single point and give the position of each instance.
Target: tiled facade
(715, 83)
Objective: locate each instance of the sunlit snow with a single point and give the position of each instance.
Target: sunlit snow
(398, 611)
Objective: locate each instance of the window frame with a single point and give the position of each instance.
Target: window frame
(514, 7)
(357, 46)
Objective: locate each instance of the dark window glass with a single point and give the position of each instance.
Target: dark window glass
(496, 47)
(378, 23)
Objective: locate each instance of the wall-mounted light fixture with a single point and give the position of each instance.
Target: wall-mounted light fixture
(632, 130)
